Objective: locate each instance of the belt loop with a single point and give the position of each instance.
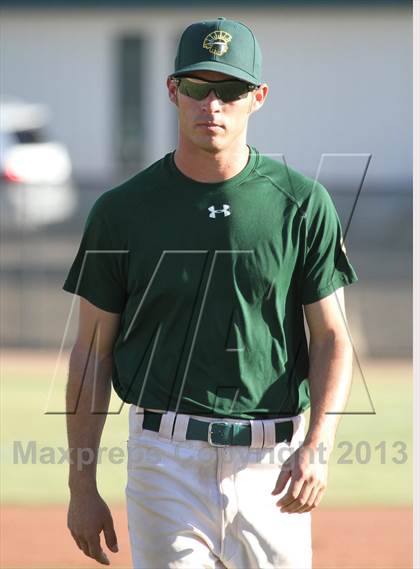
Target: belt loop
(269, 433)
(135, 417)
(180, 429)
(257, 433)
(167, 424)
(298, 428)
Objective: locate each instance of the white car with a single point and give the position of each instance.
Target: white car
(35, 174)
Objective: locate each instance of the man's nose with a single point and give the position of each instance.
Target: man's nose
(211, 102)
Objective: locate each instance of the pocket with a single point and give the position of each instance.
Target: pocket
(145, 453)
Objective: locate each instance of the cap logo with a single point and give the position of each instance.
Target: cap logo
(217, 42)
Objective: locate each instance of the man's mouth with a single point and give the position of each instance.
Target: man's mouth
(210, 124)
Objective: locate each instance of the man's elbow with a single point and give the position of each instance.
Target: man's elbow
(85, 365)
(334, 341)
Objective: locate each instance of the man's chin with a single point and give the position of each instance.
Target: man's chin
(211, 144)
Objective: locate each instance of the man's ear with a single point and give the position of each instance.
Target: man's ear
(172, 91)
(258, 98)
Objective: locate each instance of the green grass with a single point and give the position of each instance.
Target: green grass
(23, 401)
(23, 418)
(381, 480)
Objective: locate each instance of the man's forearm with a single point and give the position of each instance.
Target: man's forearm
(87, 401)
(330, 375)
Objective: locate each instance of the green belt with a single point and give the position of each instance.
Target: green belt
(219, 433)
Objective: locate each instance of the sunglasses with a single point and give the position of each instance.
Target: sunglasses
(227, 90)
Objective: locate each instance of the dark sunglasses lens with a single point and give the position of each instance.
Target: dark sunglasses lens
(232, 91)
(196, 91)
(226, 91)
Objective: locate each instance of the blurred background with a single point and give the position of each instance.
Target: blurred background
(84, 106)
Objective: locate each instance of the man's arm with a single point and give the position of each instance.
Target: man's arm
(330, 374)
(87, 401)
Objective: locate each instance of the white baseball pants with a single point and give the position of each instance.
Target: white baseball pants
(191, 505)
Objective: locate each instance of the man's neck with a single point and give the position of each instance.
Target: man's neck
(208, 167)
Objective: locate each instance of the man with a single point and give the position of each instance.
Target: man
(194, 277)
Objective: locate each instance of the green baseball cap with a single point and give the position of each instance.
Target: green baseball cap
(219, 45)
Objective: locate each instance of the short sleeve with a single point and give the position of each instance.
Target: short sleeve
(326, 265)
(98, 272)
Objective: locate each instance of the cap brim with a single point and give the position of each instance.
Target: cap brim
(216, 66)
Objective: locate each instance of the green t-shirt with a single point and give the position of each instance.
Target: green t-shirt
(210, 279)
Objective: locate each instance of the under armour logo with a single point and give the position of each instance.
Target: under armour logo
(213, 210)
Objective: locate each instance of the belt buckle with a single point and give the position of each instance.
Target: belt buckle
(211, 432)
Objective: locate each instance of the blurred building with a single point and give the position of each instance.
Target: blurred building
(340, 88)
(339, 73)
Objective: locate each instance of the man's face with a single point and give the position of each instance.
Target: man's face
(211, 124)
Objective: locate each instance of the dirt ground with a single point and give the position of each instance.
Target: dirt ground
(342, 539)
(345, 539)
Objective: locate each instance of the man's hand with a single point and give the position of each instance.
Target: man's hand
(87, 517)
(307, 470)
(87, 400)
(330, 371)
